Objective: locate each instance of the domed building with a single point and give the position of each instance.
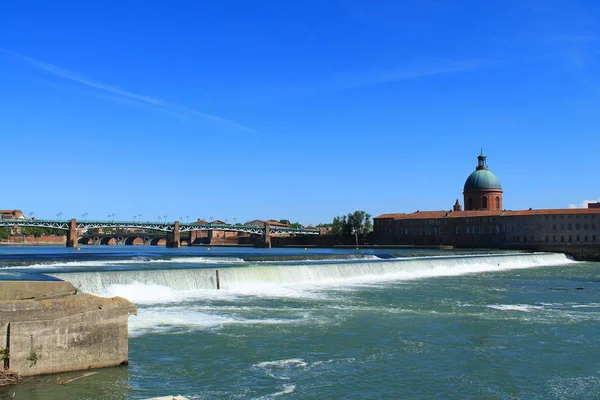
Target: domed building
(482, 190)
(484, 223)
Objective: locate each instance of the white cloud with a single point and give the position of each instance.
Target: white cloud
(584, 204)
(72, 76)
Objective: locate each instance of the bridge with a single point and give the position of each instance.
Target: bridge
(173, 229)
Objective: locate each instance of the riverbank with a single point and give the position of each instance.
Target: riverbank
(46, 240)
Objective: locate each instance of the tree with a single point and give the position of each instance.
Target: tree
(296, 225)
(357, 224)
(285, 221)
(337, 227)
(360, 223)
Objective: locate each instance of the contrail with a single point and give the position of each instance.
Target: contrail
(65, 74)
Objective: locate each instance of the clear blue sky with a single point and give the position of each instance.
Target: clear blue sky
(301, 110)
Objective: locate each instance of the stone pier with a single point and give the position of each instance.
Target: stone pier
(267, 238)
(174, 237)
(48, 327)
(72, 233)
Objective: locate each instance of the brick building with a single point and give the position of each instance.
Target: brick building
(484, 223)
(12, 214)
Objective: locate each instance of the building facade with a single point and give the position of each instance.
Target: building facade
(484, 223)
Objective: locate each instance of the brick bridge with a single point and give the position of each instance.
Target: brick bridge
(173, 230)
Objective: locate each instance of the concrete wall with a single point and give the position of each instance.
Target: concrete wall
(49, 329)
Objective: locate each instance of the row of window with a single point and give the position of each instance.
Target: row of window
(561, 239)
(570, 216)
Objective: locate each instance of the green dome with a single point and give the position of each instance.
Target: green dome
(482, 179)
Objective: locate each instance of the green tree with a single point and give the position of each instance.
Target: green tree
(360, 224)
(337, 227)
(357, 224)
(285, 221)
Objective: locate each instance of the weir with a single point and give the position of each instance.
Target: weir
(327, 273)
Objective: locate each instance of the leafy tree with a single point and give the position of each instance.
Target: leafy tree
(360, 223)
(296, 225)
(337, 227)
(285, 221)
(357, 224)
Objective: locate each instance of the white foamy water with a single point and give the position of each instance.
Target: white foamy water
(133, 261)
(516, 307)
(320, 260)
(161, 319)
(282, 363)
(157, 286)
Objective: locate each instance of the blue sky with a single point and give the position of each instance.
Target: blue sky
(301, 110)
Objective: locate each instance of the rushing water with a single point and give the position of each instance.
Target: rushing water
(334, 324)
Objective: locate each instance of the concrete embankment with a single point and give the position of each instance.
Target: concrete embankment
(48, 327)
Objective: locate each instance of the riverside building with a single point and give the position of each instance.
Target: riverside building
(485, 223)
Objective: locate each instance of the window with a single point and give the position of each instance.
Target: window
(570, 238)
(484, 202)
(570, 226)
(585, 226)
(547, 239)
(470, 203)
(577, 226)
(593, 238)
(553, 227)
(498, 203)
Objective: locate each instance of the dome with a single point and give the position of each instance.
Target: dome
(482, 179)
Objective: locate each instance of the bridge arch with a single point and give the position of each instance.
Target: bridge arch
(158, 242)
(109, 241)
(134, 241)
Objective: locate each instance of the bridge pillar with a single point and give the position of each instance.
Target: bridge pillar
(267, 238)
(72, 234)
(174, 238)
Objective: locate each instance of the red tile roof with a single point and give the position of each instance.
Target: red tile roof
(477, 213)
(555, 211)
(387, 216)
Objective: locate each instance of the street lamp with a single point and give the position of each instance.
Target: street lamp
(59, 215)
(31, 215)
(140, 217)
(84, 216)
(113, 217)
(165, 219)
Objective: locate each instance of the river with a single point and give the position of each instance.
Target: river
(332, 324)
